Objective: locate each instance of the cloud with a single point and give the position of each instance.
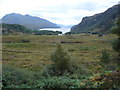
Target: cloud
(61, 12)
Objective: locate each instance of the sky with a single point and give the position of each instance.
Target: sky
(65, 12)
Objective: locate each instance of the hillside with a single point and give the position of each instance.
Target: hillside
(14, 29)
(102, 22)
(28, 21)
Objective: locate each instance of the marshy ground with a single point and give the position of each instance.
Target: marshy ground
(33, 51)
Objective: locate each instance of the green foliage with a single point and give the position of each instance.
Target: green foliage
(60, 59)
(62, 65)
(15, 28)
(59, 82)
(116, 45)
(74, 71)
(117, 29)
(50, 71)
(20, 29)
(105, 59)
(79, 70)
(110, 67)
(46, 32)
(12, 77)
(20, 78)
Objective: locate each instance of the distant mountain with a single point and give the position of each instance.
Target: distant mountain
(101, 23)
(28, 21)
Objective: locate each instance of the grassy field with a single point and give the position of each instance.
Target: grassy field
(26, 61)
(35, 54)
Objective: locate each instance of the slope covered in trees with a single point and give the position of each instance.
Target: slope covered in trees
(20, 29)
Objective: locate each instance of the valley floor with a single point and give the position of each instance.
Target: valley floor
(32, 52)
(36, 53)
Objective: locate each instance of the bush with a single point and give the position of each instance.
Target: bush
(110, 67)
(63, 65)
(105, 59)
(13, 77)
(20, 78)
(76, 68)
(74, 71)
(60, 59)
(116, 45)
(59, 82)
(49, 71)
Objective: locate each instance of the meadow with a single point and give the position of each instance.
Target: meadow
(32, 52)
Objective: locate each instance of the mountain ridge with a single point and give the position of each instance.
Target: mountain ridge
(101, 22)
(31, 22)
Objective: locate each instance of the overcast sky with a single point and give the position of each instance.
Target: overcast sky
(64, 12)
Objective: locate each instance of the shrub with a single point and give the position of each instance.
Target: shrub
(63, 65)
(116, 45)
(50, 70)
(13, 77)
(105, 59)
(59, 82)
(79, 69)
(60, 59)
(110, 67)
(20, 78)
